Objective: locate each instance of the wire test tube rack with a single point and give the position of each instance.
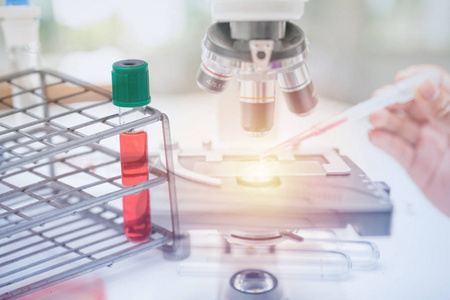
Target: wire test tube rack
(56, 181)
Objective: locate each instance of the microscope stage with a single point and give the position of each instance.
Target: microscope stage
(305, 188)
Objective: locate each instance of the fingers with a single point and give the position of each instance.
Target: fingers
(413, 110)
(386, 88)
(410, 108)
(435, 104)
(413, 70)
(393, 145)
(432, 101)
(394, 123)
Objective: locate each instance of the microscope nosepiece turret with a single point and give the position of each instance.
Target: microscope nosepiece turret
(260, 54)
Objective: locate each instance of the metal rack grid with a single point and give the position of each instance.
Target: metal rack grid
(52, 168)
(66, 248)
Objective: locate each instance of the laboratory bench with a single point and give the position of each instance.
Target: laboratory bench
(413, 262)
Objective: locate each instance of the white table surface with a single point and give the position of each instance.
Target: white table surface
(415, 259)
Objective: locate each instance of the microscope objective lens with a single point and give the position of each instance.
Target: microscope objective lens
(257, 118)
(211, 80)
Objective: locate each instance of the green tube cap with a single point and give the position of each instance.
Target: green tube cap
(130, 83)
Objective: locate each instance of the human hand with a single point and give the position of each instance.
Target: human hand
(417, 135)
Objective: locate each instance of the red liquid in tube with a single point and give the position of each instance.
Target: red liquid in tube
(136, 208)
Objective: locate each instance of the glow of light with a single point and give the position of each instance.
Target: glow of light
(258, 175)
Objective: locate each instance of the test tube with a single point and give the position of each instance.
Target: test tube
(130, 91)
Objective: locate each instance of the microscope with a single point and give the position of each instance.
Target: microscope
(258, 207)
(254, 41)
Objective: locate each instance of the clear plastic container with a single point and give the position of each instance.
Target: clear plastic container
(213, 255)
(20, 26)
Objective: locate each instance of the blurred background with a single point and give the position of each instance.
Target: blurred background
(355, 46)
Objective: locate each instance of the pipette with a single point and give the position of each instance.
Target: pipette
(401, 92)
